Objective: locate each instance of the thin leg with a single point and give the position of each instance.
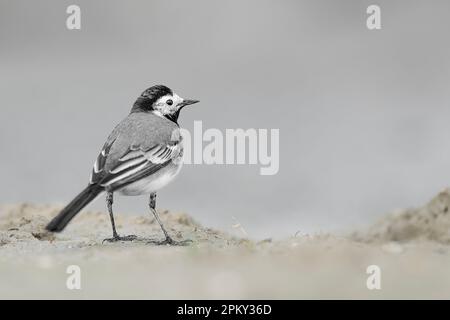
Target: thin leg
(115, 237)
(109, 203)
(168, 239)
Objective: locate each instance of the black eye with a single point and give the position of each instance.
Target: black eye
(169, 102)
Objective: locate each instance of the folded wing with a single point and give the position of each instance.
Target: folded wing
(135, 164)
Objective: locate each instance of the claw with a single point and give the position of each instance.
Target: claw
(117, 238)
(171, 242)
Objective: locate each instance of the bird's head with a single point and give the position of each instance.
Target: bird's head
(162, 101)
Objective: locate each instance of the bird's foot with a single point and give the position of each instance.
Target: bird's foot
(169, 241)
(116, 238)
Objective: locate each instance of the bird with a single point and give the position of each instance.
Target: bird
(142, 154)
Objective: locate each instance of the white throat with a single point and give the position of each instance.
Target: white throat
(158, 113)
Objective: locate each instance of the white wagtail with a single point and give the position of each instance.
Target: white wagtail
(141, 155)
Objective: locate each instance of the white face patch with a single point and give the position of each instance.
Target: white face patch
(168, 104)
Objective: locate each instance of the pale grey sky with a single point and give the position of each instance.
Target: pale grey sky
(363, 115)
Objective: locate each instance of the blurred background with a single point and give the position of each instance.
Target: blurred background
(364, 115)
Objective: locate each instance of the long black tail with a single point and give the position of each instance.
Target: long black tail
(63, 218)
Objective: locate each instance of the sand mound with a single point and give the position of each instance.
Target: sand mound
(26, 223)
(430, 222)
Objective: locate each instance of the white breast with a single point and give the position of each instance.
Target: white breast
(153, 182)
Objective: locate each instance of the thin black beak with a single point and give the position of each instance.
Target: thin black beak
(187, 102)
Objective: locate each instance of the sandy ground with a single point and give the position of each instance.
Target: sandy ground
(411, 248)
